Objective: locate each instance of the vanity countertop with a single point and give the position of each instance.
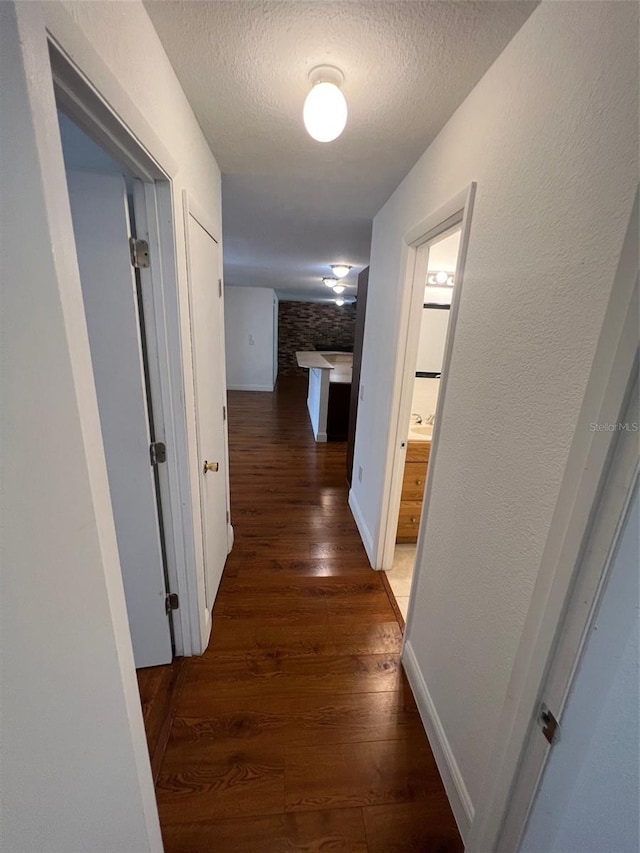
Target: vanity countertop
(420, 432)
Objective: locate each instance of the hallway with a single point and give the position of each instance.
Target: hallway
(297, 729)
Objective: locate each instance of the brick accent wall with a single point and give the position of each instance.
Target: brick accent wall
(308, 325)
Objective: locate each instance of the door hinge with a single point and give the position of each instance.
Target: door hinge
(548, 723)
(227, 516)
(171, 602)
(157, 452)
(219, 287)
(224, 413)
(139, 253)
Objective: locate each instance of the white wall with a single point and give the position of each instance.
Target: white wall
(425, 396)
(550, 136)
(433, 336)
(589, 796)
(73, 743)
(249, 338)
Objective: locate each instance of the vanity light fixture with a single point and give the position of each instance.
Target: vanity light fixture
(329, 281)
(338, 288)
(325, 108)
(441, 279)
(340, 270)
(339, 301)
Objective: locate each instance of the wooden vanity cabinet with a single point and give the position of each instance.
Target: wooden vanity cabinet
(415, 475)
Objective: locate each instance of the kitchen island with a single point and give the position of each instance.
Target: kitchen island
(329, 392)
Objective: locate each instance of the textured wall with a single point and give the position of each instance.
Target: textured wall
(553, 148)
(305, 325)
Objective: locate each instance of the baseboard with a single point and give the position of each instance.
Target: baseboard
(365, 535)
(457, 793)
(249, 387)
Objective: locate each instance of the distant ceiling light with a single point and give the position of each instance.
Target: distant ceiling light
(325, 107)
(441, 279)
(338, 288)
(340, 270)
(339, 301)
(330, 281)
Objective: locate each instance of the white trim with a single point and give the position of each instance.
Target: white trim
(153, 208)
(452, 780)
(585, 598)
(612, 367)
(112, 112)
(457, 211)
(154, 201)
(250, 388)
(202, 218)
(365, 535)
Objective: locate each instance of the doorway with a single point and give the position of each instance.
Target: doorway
(103, 196)
(423, 382)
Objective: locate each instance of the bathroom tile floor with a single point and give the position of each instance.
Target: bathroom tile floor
(401, 574)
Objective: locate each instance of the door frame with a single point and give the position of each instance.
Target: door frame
(456, 212)
(501, 812)
(151, 163)
(587, 590)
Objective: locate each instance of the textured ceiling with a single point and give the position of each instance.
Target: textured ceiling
(292, 205)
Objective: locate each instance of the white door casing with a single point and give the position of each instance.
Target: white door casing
(206, 318)
(101, 227)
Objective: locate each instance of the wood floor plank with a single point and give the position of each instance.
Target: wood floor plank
(359, 774)
(340, 831)
(418, 827)
(299, 721)
(229, 780)
(287, 676)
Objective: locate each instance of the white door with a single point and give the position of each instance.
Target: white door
(205, 291)
(101, 226)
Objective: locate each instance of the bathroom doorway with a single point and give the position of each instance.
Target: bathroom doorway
(438, 286)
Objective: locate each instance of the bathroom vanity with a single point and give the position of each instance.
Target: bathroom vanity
(413, 482)
(329, 392)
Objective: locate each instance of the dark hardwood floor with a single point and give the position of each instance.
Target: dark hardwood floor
(297, 730)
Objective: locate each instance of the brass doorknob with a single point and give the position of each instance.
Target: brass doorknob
(209, 466)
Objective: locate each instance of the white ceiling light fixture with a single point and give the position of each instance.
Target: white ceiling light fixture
(340, 270)
(338, 288)
(339, 301)
(441, 279)
(329, 281)
(325, 107)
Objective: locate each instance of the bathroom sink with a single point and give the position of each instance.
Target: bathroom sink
(423, 430)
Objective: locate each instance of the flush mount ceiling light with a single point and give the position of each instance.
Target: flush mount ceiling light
(325, 107)
(338, 288)
(330, 281)
(441, 279)
(340, 270)
(339, 301)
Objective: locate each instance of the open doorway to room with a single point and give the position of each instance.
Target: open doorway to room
(104, 195)
(423, 381)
